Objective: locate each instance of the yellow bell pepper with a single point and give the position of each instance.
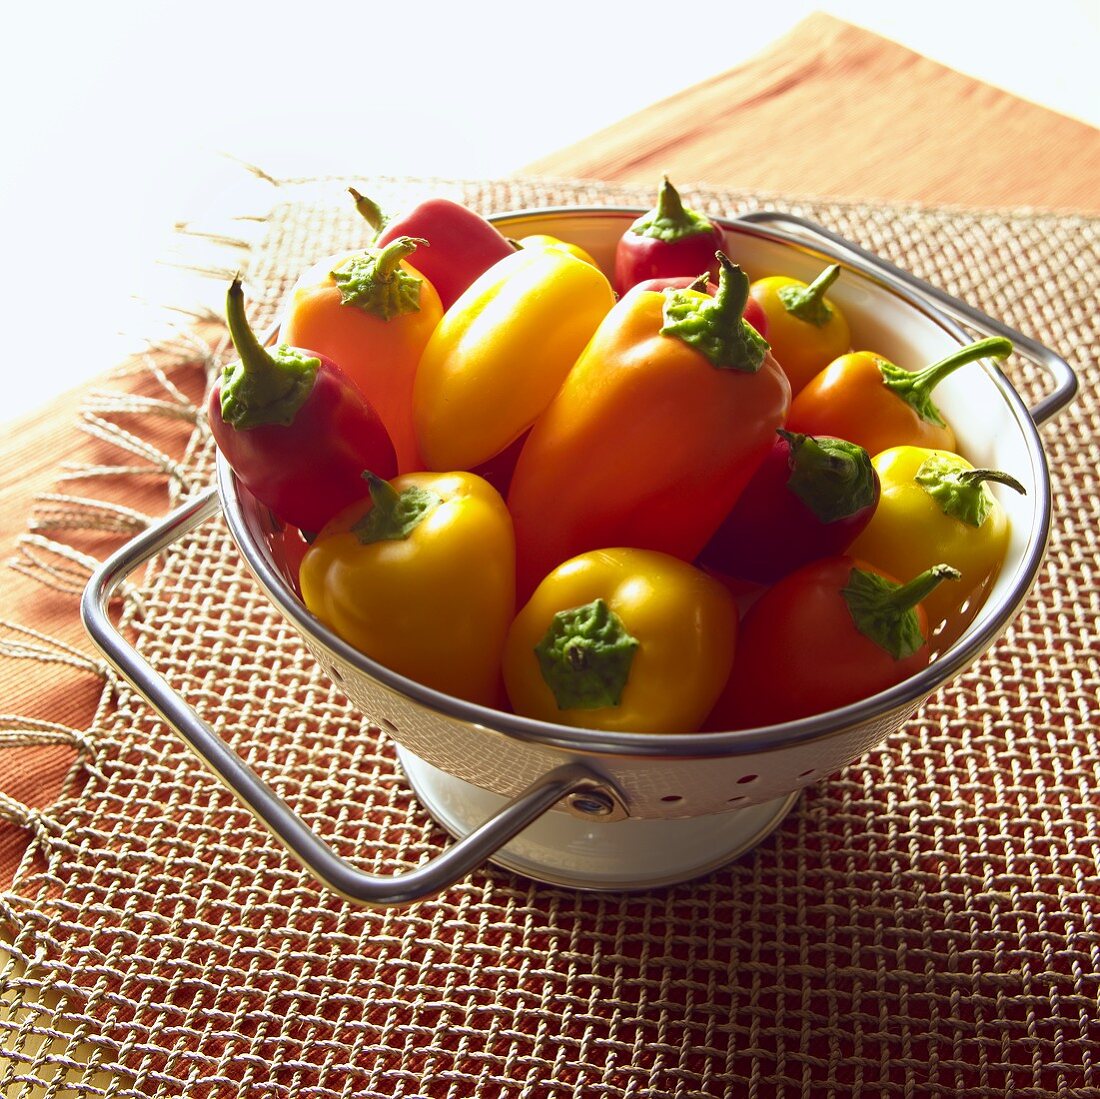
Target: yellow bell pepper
(421, 579)
(501, 352)
(935, 507)
(544, 240)
(805, 329)
(622, 639)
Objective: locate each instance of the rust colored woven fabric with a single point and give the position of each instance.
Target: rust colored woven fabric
(833, 109)
(924, 923)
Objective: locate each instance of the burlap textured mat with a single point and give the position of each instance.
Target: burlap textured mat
(925, 923)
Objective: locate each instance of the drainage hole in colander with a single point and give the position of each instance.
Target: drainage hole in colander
(387, 725)
(336, 674)
(673, 797)
(747, 778)
(737, 797)
(809, 772)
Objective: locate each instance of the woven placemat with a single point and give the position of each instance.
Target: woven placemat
(924, 923)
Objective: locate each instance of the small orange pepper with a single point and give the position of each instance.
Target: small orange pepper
(373, 313)
(869, 401)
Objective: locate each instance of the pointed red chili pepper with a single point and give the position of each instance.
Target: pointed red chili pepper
(294, 428)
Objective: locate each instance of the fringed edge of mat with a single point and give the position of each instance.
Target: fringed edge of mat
(35, 1052)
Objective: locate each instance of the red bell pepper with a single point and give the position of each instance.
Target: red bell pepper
(294, 428)
(668, 241)
(810, 498)
(829, 634)
(462, 244)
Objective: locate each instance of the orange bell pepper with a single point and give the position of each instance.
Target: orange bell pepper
(373, 313)
(653, 434)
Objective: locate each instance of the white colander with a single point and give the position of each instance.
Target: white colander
(603, 810)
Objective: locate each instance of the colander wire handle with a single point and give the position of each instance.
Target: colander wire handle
(311, 851)
(1061, 373)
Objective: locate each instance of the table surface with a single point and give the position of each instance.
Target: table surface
(900, 128)
(829, 110)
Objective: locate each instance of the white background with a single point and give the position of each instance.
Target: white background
(116, 117)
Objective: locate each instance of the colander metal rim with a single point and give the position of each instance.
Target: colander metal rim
(738, 742)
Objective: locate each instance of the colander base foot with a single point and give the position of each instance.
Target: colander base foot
(560, 849)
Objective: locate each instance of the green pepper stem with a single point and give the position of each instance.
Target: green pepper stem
(957, 489)
(808, 303)
(585, 657)
(393, 515)
(884, 611)
(670, 220)
(794, 439)
(915, 387)
(713, 326)
(700, 283)
(262, 387)
(368, 209)
(733, 292)
(670, 206)
(995, 347)
(256, 362)
(391, 256)
(383, 495)
(908, 595)
(977, 476)
(832, 477)
(817, 288)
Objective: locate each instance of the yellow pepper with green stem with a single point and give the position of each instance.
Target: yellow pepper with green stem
(622, 639)
(805, 329)
(422, 579)
(935, 507)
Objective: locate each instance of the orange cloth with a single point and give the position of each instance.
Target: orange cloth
(834, 111)
(829, 110)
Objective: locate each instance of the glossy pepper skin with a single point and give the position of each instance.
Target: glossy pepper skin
(463, 244)
(622, 639)
(810, 498)
(293, 427)
(829, 634)
(868, 400)
(670, 240)
(805, 329)
(373, 313)
(753, 314)
(501, 352)
(422, 580)
(936, 507)
(544, 240)
(648, 442)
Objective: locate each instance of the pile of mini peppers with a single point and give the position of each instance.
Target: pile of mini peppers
(709, 511)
